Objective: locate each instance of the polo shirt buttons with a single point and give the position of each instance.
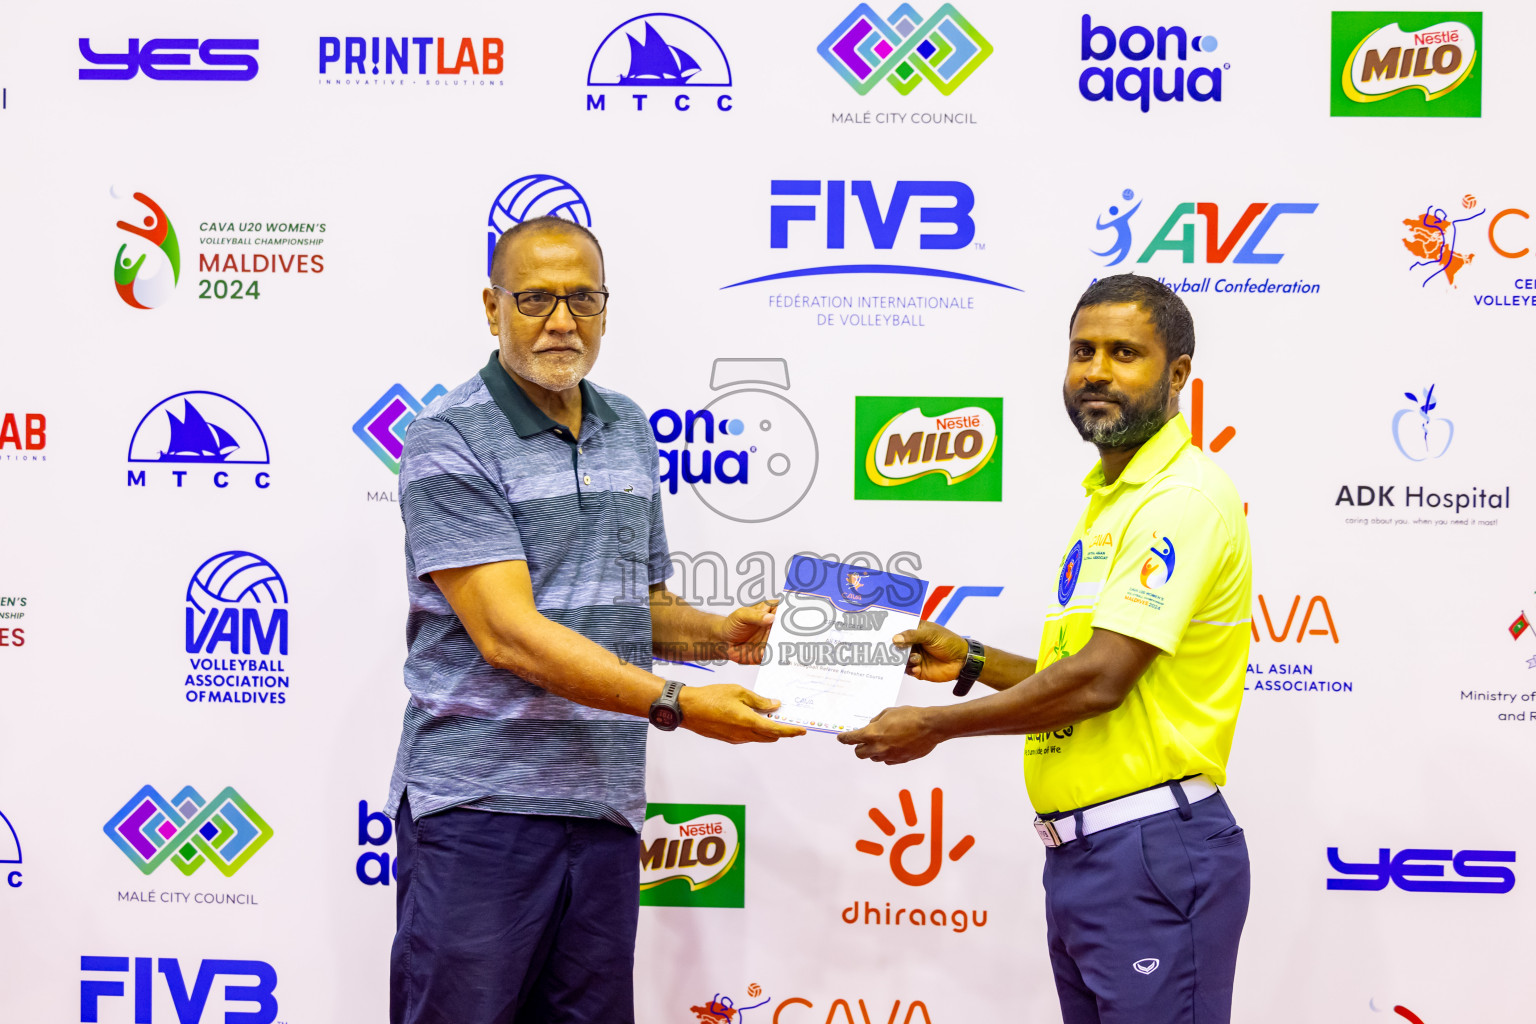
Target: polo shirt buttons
(587, 480)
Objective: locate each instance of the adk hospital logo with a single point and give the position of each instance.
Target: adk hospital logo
(237, 632)
(928, 449)
(750, 454)
(659, 61)
(693, 855)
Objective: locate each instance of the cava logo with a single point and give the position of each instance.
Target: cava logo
(148, 266)
(1406, 64)
(693, 855)
(201, 435)
(663, 52)
(866, 49)
(1441, 240)
(188, 831)
(533, 195)
(904, 451)
(237, 630)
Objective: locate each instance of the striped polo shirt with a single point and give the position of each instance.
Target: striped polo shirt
(488, 477)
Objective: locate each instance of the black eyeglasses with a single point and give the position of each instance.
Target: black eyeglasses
(541, 303)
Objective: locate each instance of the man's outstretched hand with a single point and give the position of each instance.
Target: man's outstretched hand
(895, 735)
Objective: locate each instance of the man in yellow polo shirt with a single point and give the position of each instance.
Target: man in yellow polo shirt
(1129, 709)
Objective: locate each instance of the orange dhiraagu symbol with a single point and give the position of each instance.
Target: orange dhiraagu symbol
(1197, 419)
(935, 837)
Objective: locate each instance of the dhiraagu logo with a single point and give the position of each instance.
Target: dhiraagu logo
(1406, 64)
(693, 855)
(928, 449)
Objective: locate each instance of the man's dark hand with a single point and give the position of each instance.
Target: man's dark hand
(937, 654)
(895, 735)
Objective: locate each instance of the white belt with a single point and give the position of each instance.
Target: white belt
(1059, 831)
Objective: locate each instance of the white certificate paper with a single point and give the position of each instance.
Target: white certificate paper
(830, 662)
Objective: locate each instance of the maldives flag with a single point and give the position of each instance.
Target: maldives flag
(1519, 626)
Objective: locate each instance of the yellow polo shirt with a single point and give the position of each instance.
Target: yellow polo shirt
(1161, 555)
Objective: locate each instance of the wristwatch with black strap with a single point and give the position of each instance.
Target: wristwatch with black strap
(975, 658)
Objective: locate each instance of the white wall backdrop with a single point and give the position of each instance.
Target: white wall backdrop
(1390, 705)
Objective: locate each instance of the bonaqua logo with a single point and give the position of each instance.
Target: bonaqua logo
(904, 50)
(146, 276)
(1146, 74)
(188, 830)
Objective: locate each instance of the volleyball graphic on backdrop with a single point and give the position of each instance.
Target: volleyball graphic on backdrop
(533, 195)
(234, 577)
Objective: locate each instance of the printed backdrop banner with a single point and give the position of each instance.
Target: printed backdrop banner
(844, 243)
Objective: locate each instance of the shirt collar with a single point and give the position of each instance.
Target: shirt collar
(526, 418)
(1150, 459)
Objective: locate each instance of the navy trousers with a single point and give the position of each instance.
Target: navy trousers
(514, 919)
(1143, 919)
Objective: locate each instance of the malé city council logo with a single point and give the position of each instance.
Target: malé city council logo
(188, 831)
(533, 195)
(905, 49)
(146, 275)
(1406, 64)
(382, 427)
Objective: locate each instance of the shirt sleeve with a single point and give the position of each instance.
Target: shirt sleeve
(1168, 561)
(455, 514)
(660, 558)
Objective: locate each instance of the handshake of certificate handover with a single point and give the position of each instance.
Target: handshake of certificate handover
(826, 694)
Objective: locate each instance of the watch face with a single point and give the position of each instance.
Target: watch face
(664, 718)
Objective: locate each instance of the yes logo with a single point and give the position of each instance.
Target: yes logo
(1424, 870)
(934, 837)
(1432, 438)
(147, 276)
(170, 60)
(903, 452)
(1158, 569)
(1406, 64)
(692, 855)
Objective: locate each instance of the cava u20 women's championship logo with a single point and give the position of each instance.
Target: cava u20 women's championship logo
(147, 275)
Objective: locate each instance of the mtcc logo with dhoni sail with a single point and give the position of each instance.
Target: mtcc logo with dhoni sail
(664, 52)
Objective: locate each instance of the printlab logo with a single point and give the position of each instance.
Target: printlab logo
(722, 1009)
(188, 831)
(374, 867)
(408, 60)
(1178, 235)
(750, 455)
(665, 52)
(1440, 243)
(904, 453)
(693, 855)
(1406, 64)
(866, 49)
(934, 838)
(146, 275)
(26, 433)
(1416, 870)
(1134, 65)
(237, 600)
(171, 60)
(191, 1001)
(1417, 434)
(382, 427)
(533, 195)
(194, 431)
(10, 854)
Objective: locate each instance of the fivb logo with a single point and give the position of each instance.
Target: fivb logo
(750, 455)
(382, 428)
(884, 226)
(146, 277)
(191, 1003)
(693, 855)
(533, 195)
(950, 454)
(199, 428)
(188, 830)
(1141, 81)
(905, 49)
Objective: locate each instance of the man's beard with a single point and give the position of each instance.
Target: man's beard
(1134, 425)
(551, 375)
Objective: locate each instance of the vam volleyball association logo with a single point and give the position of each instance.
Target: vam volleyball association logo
(533, 195)
(237, 631)
(148, 265)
